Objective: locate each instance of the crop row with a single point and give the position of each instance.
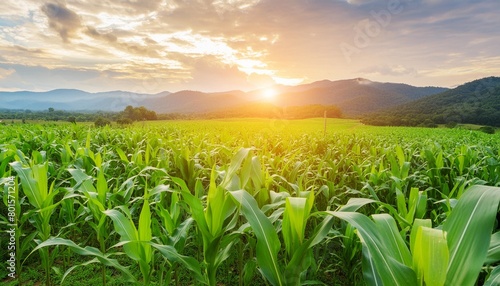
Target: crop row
(212, 204)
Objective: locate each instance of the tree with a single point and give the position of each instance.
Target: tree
(51, 109)
(101, 122)
(124, 121)
(129, 112)
(72, 119)
(138, 113)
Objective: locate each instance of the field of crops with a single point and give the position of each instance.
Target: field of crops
(249, 202)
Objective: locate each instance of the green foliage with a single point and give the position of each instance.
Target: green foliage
(56, 115)
(138, 114)
(452, 254)
(252, 202)
(101, 122)
(487, 129)
(124, 121)
(475, 102)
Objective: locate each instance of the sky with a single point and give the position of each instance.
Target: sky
(150, 46)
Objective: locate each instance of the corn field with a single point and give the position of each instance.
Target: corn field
(254, 202)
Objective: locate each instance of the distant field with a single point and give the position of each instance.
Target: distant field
(245, 202)
(299, 125)
(310, 126)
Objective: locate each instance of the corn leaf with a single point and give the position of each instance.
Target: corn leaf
(268, 244)
(298, 263)
(86, 251)
(196, 207)
(413, 235)
(144, 230)
(355, 203)
(494, 278)
(128, 232)
(395, 244)
(494, 249)
(389, 269)
(171, 254)
(29, 183)
(215, 206)
(431, 255)
(83, 180)
(102, 187)
(293, 223)
(469, 229)
(234, 166)
(370, 273)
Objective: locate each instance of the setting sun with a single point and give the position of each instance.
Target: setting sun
(269, 94)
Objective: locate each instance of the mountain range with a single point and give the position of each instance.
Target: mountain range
(476, 102)
(353, 96)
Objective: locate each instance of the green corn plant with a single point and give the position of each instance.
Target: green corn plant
(96, 201)
(23, 240)
(367, 162)
(410, 208)
(255, 180)
(450, 255)
(269, 245)
(135, 240)
(294, 221)
(216, 222)
(171, 230)
(35, 186)
(99, 257)
(400, 167)
(348, 258)
(7, 154)
(138, 242)
(212, 224)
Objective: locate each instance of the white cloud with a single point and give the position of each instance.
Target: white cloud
(390, 70)
(249, 41)
(6, 72)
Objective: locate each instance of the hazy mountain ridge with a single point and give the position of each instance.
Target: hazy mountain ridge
(352, 96)
(476, 102)
(356, 96)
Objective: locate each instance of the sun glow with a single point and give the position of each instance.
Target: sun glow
(269, 94)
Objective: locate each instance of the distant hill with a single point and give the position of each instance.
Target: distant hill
(72, 100)
(354, 97)
(188, 101)
(476, 102)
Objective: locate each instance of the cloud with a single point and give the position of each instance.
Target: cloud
(62, 20)
(208, 74)
(179, 44)
(390, 70)
(359, 2)
(22, 55)
(121, 7)
(108, 37)
(6, 72)
(222, 6)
